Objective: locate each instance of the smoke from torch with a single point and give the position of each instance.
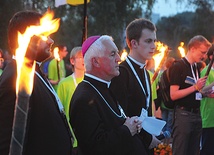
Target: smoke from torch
(25, 74)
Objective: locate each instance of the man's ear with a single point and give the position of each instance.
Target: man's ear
(95, 62)
(133, 43)
(72, 61)
(192, 48)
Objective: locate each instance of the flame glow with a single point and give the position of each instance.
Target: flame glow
(25, 72)
(56, 53)
(158, 57)
(123, 55)
(181, 49)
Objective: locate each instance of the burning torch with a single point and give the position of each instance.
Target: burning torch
(210, 65)
(123, 55)
(159, 59)
(181, 49)
(56, 56)
(210, 88)
(28, 41)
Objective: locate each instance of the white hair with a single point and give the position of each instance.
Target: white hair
(97, 49)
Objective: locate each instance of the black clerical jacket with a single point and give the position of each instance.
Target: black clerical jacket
(130, 95)
(47, 132)
(98, 123)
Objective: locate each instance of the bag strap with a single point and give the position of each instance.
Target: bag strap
(179, 61)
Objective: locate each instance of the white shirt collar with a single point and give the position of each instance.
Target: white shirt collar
(39, 63)
(98, 79)
(138, 63)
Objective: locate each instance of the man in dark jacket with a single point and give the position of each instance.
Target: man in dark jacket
(99, 122)
(47, 130)
(132, 87)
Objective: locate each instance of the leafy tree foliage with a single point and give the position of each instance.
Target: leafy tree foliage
(9, 7)
(182, 27)
(111, 17)
(204, 19)
(173, 30)
(104, 17)
(6, 14)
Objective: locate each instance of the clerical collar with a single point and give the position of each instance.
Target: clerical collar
(138, 63)
(98, 79)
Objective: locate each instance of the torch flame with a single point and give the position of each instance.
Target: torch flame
(56, 53)
(181, 49)
(158, 57)
(123, 55)
(25, 73)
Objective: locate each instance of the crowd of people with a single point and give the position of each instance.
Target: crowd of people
(98, 109)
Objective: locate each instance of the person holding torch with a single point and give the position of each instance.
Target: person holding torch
(56, 67)
(47, 130)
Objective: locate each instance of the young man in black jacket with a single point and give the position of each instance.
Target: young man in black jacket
(132, 87)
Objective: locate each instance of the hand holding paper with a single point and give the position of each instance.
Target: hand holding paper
(208, 89)
(151, 124)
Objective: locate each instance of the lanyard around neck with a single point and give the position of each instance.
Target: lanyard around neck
(74, 79)
(140, 83)
(195, 77)
(122, 114)
(193, 73)
(60, 106)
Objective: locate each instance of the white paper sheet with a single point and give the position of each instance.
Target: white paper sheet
(151, 124)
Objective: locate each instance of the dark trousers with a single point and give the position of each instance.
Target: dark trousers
(186, 133)
(207, 141)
